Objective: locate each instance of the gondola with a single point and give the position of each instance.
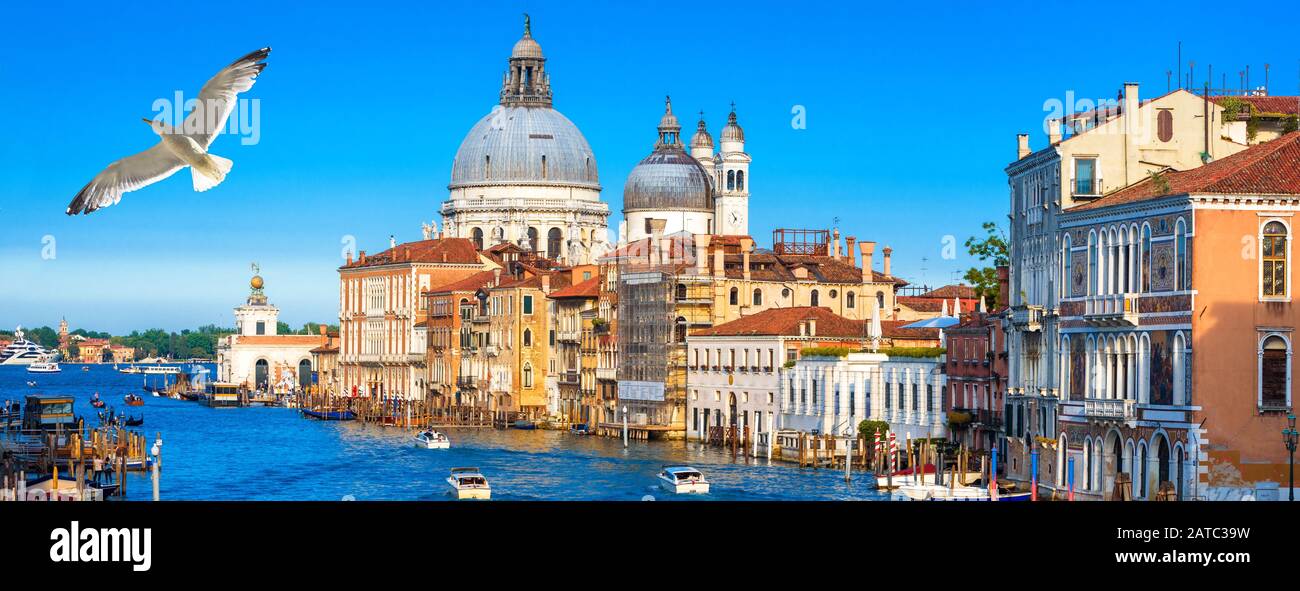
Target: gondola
(134, 421)
(97, 403)
(330, 415)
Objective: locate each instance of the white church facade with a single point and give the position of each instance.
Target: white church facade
(256, 358)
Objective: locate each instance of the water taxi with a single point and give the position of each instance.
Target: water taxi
(44, 367)
(329, 415)
(430, 439)
(469, 483)
(938, 492)
(682, 480)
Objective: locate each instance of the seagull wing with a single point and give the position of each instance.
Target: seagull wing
(217, 97)
(124, 176)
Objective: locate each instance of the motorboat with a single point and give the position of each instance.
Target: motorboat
(329, 415)
(31, 384)
(430, 439)
(22, 351)
(85, 368)
(682, 480)
(938, 492)
(44, 367)
(469, 483)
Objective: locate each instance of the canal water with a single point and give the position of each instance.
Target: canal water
(274, 454)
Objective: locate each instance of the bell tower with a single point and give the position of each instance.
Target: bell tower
(732, 202)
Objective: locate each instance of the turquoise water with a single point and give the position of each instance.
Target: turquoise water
(274, 454)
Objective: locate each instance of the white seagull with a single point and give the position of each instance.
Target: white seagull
(187, 146)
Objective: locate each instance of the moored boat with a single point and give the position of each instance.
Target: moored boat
(683, 480)
(329, 415)
(469, 483)
(134, 421)
(430, 439)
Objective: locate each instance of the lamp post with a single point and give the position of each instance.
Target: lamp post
(1289, 437)
(625, 426)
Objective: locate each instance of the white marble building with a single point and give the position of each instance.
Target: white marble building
(524, 174)
(832, 395)
(257, 358)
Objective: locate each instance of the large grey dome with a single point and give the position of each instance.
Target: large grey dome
(519, 145)
(668, 179)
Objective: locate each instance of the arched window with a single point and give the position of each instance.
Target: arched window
(734, 298)
(1066, 267)
(1092, 263)
(1182, 271)
(304, 373)
(533, 245)
(740, 180)
(1274, 373)
(1146, 258)
(261, 374)
(731, 180)
(487, 167)
(528, 375)
(1165, 125)
(681, 291)
(1273, 251)
(815, 300)
(477, 236)
(850, 299)
(554, 238)
(528, 337)
(679, 330)
(758, 297)
(880, 300)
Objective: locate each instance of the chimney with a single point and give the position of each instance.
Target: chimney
(1022, 145)
(496, 276)
(835, 251)
(702, 253)
(349, 256)
(361, 257)
(719, 262)
(746, 245)
(812, 327)
(888, 251)
(392, 241)
(546, 283)
(849, 252)
(322, 329)
(868, 248)
(1003, 285)
(1053, 131)
(1131, 106)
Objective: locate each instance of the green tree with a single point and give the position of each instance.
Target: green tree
(868, 429)
(283, 328)
(992, 250)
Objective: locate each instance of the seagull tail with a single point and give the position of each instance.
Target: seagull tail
(212, 174)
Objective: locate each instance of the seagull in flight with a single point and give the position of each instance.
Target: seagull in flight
(179, 147)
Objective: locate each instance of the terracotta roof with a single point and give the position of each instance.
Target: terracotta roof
(767, 266)
(893, 329)
(1288, 105)
(589, 289)
(921, 304)
(1270, 168)
(459, 251)
(786, 321)
(948, 292)
(283, 340)
(471, 283)
(641, 248)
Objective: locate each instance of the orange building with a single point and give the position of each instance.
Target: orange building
(452, 308)
(1177, 330)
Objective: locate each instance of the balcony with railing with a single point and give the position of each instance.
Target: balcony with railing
(1027, 318)
(1117, 309)
(1110, 409)
(570, 377)
(1086, 187)
(606, 373)
(569, 336)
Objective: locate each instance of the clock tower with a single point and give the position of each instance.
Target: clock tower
(732, 182)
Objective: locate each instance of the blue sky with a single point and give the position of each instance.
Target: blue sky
(911, 111)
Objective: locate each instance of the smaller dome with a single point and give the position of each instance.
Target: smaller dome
(256, 282)
(732, 132)
(701, 139)
(527, 47)
(669, 120)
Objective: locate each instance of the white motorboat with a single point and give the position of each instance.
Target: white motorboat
(430, 439)
(22, 351)
(469, 483)
(44, 367)
(934, 492)
(682, 480)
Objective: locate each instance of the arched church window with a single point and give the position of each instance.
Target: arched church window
(681, 291)
(740, 180)
(553, 243)
(814, 300)
(731, 180)
(528, 337)
(850, 299)
(880, 300)
(477, 236)
(734, 297)
(758, 297)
